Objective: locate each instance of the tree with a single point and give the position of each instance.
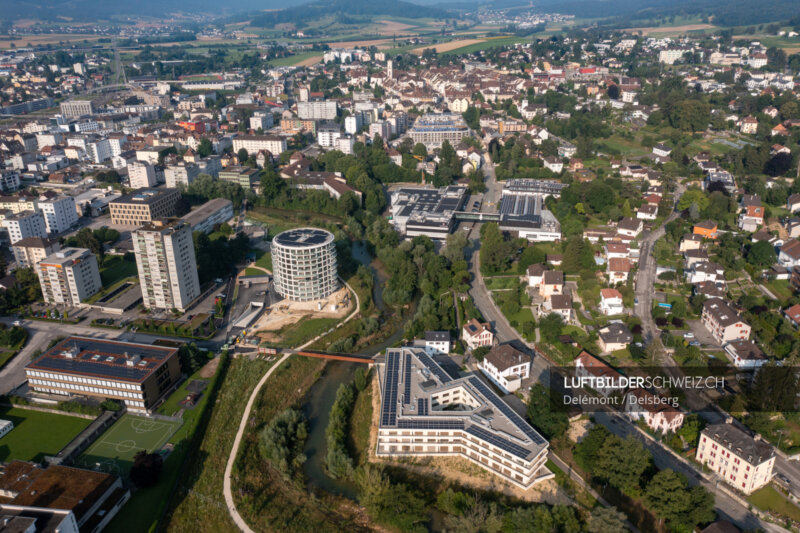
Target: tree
(606, 520)
(613, 92)
(587, 450)
(622, 462)
(242, 155)
(282, 442)
(420, 151)
(205, 148)
(669, 496)
(146, 469)
(693, 196)
(551, 326)
(551, 422)
(761, 254)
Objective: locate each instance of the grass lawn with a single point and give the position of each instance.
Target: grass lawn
(305, 330)
(115, 268)
(6, 356)
(780, 288)
(115, 448)
(770, 499)
(524, 315)
(250, 271)
(264, 260)
(37, 434)
(294, 60)
(622, 146)
(502, 283)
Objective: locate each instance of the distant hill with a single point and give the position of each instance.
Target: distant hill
(304, 14)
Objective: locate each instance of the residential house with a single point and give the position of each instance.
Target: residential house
(793, 314)
(437, 342)
(789, 254)
(476, 334)
(661, 150)
(742, 461)
(690, 241)
(560, 304)
(706, 229)
(748, 125)
(723, 321)
(552, 283)
(506, 367)
(618, 270)
(690, 257)
(554, 164)
(611, 302)
(617, 249)
(793, 203)
(655, 410)
(751, 218)
(535, 274)
(745, 355)
(705, 271)
(630, 227)
(647, 212)
(615, 336)
(589, 366)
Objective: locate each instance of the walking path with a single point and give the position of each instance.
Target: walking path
(226, 486)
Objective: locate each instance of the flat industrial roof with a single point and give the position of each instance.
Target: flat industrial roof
(121, 361)
(303, 237)
(143, 196)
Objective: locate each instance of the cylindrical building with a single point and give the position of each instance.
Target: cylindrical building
(304, 264)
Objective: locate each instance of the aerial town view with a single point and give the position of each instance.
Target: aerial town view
(399, 266)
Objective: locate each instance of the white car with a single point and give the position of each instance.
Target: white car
(688, 335)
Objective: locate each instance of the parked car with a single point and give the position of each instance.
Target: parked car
(694, 343)
(688, 335)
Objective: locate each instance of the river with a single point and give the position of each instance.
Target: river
(319, 399)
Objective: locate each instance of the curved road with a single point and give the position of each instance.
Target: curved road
(226, 486)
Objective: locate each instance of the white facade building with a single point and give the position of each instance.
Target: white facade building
(141, 175)
(167, 265)
(317, 110)
(506, 367)
(25, 224)
(69, 276)
(742, 461)
(304, 264)
(59, 213)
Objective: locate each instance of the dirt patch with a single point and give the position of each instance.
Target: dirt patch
(672, 29)
(446, 47)
(209, 369)
(313, 60)
(391, 27)
(380, 43)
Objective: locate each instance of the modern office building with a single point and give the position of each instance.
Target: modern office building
(427, 412)
(69, 276)
(137, 374)
(141, 175)
(245, 177)
(742, 461)
(423, 211)
(317, 110)
(208, 215)
(59, 213)
(433, 129)
(522, 209)
(24, 225)
(255, 143)
(143, 206)
(77, 108)
(31, 250)
(304, 264)
(167, 265)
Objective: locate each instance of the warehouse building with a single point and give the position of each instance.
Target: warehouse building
(424, 211)
(207, 216)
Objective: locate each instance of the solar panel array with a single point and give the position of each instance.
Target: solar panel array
(503, 407)
(429, 423)
(443, 376)
(389, 408)
(422, 406)
(407, 379)
(500, 442)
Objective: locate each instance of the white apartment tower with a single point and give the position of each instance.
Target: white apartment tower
(59, 213)
(141, 175)
(304, 264)
(25, 224)
(166, 263)
(69, 276)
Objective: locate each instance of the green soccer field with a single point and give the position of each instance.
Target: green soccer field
(114, 450)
